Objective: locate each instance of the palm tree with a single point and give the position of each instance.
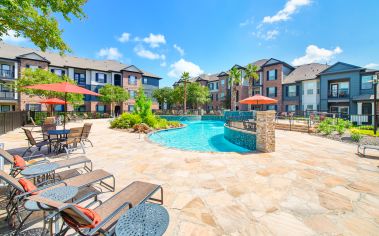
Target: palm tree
(235, 79)
(251, 74)
(185, 79)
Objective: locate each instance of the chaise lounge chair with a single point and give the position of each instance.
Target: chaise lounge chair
(106, 215)
(18, 192)
(19, 164)
(364, 147)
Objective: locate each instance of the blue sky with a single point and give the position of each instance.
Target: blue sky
(209, 36)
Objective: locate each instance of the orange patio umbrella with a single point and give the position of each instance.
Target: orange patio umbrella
(258, 100)
(63, 87)
(53, 101)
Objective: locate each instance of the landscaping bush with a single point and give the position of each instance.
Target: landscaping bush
(366, 127)
(340, 128)
(329, 125)
(356, 136)
(364, 132)
(126, 121)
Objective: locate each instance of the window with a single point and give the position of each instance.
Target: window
(366, 82)
(271, 75)
(58, 72)
(101, 77)
(5, 108)
(216, 85)
(271, 107)
(144, 80)
(59, 108)
(81, 108)
(211, 86)
(222, 83)
(132, 93)
(309, 107)
(31, 66)
(271, 92)
(80, 78)
(132, 80)
(131, 108)
(291, 108)
(318, 87)
(309, 91)
(33, 107)
(216, 97)
(291, 91)
(100, 108)
(222, 95)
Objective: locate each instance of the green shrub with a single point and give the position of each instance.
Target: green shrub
(126, 120)
(340, 128)
(366, 127)
(174, 124)
(356, 136)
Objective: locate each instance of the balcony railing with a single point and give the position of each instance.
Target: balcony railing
(7, 95)
(6, 74)
(341, 93)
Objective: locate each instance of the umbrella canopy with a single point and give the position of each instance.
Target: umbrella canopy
(258, 100)
(63, 87)
(53, 101)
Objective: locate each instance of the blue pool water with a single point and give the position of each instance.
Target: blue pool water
(207, 135)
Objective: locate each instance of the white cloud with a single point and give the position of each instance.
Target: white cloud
(269, 35)
(179, 49)
(12, 38)
(144, 53)
(125, 37)
(109, 53)
(372, 66)
(247, 22)
(181, 66)
(316, 54)
(154, 40)
(285, 14)
(163, 64)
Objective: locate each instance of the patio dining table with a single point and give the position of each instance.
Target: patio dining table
(60, 133)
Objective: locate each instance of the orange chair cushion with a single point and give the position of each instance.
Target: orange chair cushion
(19, 162)
(91, 214)
(28, 186)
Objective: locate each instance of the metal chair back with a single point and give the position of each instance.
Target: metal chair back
(11, 181)
(6, 155)
(47, 127)
(30, 137)
(86, 130)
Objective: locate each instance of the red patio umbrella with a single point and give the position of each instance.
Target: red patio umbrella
(258, 100)
(63, 87)
(53, 102)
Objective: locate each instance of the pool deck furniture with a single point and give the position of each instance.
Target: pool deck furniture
(109, 211)
(73, 141)
(80, 160)
(41, 172)
(38, 145)
(145, 219)
(86, 131)
(361, 148)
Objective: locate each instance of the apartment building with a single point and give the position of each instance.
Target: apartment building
(88, 73)
(346, 88)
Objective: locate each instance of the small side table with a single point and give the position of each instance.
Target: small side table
(40, 171)
(145, 220)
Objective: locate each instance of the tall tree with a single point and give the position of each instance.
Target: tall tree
(39, 76)
(143, 104)
(197, 95)
(234, 80)
(185, 79)
(113, 94)
(37, 20)
(163, 95)
(177, 97)
(251, 74)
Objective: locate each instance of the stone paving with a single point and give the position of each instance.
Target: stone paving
(309, 186)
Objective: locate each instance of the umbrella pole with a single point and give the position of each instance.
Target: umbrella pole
(64, 110)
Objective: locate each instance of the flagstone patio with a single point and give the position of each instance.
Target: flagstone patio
(309, 186)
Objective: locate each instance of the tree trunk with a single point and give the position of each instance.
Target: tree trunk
(111, 109)
(185, 97)
(233, 96)
(250, 93)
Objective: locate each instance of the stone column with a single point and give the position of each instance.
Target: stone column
(266, 131)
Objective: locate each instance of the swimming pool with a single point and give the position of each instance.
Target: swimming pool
(203, 135)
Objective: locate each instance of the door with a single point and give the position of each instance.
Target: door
(117, 110)
(367, 110)
(334, 90)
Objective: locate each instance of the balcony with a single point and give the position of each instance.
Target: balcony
(7, 95)
(340, 93)
(6, 74)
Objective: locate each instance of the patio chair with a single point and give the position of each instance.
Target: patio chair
(18, 164)
(73, 141)
(70, 118)
(47, 127)
(85, 116)
(106, 215)
(17, 194)
(49, 120)
(33, 143)
(86, 131)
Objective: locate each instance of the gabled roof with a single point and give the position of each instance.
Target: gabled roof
(222, 74)
(132, 68)
(304, 72)
(273, 61)
(259, 63)
(33, 56)
(14, 52)
(238, 67)
(341, 67)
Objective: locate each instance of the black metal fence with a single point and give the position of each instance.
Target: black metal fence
(12, 120)
(40, 116)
